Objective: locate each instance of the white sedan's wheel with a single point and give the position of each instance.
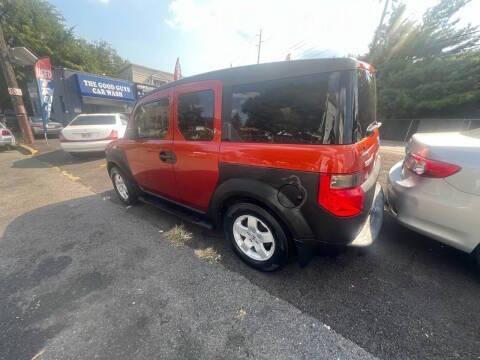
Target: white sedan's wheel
(253, 237)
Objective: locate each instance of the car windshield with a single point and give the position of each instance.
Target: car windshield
(94, 120)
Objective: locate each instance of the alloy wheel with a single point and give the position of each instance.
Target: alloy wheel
(253, 237)
(120, 186)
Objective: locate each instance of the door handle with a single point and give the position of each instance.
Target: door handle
(168, 157)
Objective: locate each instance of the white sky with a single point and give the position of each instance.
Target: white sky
(221, 32)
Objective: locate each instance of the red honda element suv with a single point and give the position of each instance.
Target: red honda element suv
(282, 156)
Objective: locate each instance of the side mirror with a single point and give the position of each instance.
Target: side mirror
(373, 126)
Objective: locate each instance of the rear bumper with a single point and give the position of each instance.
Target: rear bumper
(357, 232)
(39, 131)
(85, 146)
(434, 208)
(7, 140)
(371, 228)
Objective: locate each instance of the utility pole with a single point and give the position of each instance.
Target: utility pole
(259, 46)
(14, 91)
(382, 18)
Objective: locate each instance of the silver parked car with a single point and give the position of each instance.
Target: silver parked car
(435, 190)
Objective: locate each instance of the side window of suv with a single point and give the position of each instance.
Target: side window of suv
(152, 120)
(195, 115)
(303, 110)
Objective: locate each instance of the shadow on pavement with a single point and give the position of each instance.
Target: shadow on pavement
(405, 297)
(88, 278)
(38, 293)
(4, 149)
(56, 158)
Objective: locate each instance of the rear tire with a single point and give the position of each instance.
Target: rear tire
(126, 190)
(256, 236)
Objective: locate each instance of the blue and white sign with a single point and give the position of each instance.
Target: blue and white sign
(103, 87)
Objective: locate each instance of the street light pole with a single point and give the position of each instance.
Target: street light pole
(14, 91)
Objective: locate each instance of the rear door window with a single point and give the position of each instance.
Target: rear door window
(195, 115)
(303, 110)
(84, 120)
(152, 119)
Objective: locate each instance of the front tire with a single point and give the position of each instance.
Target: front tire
(126, 191)
(256, 236)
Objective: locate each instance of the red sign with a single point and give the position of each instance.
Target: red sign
(43, 69)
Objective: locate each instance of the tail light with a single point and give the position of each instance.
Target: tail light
(61, 137)
(6, 132)
(429, 168)
(341, 195)
(113, 135)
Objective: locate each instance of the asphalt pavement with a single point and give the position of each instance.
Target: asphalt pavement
(407, 296)
(83, 277)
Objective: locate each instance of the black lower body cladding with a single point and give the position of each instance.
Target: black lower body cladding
(291, 196)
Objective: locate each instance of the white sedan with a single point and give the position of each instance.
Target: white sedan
(92, 132)
(436, 189)
(6, 137)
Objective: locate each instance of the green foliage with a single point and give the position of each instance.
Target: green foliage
(426, 69)
(38, 25)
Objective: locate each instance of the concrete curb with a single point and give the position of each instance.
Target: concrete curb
(25, 149)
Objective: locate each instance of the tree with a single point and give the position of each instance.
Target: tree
(427, 68)
(39, 26)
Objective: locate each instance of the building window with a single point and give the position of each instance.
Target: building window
(195, 115)
(152, 120)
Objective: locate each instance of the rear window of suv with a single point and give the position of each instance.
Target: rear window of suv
(303, 110)
(94, 120)
(366, 100)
